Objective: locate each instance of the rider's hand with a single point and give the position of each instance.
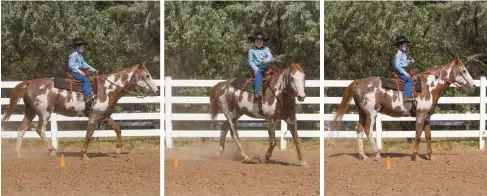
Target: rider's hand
(264, 60)
(96, 72)
(256, 71)
(82, 73)
(412, 60)
(407, 75)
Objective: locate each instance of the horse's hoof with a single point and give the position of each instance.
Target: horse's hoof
(415, 158)
(304, 165)
(118, 152)
(19, 155)
(53, 153)
(430, 157)
(85, 158)
(364, 157)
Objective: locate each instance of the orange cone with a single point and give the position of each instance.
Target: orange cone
(176, 161)
(388, 163)
(62, 163)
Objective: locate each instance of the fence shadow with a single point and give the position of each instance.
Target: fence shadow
(384, 155)
(91, 155)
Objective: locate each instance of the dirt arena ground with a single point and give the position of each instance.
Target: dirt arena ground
(202, 173)
(459, 169)
(136, 172)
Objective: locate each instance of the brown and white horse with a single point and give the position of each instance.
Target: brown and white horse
(278, 102)
(42, 99)
(371, 98)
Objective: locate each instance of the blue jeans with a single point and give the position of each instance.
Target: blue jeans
(258, 79)
(86, 86)
(408, 90)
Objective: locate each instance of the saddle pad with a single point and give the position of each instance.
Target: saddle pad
(239, 82)
(62, 84)
(389, 83)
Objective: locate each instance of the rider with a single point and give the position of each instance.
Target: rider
(258, 58)
(76, 62)
(400, 62)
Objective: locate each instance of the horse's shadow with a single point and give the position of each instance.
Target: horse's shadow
(93, 155)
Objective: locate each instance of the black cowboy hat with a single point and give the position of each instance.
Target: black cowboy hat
(258, 35)
(400, 40)
(78, 42)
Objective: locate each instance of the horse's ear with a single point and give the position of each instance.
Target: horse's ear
(457, 60)
(143, 64)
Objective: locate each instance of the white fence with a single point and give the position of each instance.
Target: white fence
(170, 116)
(54, 134)
(380, 133)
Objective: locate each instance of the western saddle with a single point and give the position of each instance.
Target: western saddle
(70, 80)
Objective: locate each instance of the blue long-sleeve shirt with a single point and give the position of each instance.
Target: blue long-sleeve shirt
(256, 55)
(76, 62)
(401, 62)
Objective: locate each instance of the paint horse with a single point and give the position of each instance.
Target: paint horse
(42, 97)
(278, 103)
(372, 98)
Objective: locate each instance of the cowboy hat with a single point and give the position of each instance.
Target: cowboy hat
(78, 42)
(400, 40)
(258, 35)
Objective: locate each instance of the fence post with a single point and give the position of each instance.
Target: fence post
(54, 131)
(283, 132)
(378, 131)
(483, 101)
(168, 111)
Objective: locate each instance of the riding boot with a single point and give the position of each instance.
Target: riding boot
(408, 99)
(88, 102)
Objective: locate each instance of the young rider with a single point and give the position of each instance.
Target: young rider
(400, 63)
(258, 58)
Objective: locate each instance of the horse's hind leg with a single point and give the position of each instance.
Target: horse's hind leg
(359, 129)
(369, 127)
(233, 127)
(41, 130)
(223, 134)
(24, 125)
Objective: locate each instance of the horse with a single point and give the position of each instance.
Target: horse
(278, 103)
(372, 98)
(42, 98)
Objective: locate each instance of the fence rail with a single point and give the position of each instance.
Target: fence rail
(55, 133)
(169, 117)
(379, 133)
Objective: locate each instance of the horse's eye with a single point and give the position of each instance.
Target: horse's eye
(464, 71)
(147, 76)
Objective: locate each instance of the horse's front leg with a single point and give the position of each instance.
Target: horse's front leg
(271, 129)
(293, 124)
(92, 122)
(118, 131)
(419, 129)
(427, 134)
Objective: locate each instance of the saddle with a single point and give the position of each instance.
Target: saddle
(71, 83)
(246, 83)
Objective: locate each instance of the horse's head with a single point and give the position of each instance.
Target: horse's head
(296, 80)
(143, 79)
(460, 76)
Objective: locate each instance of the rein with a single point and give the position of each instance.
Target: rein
(279, 72)
(138, 95)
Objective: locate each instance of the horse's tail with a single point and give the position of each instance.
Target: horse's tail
(17, 93)
(343, 107)
(215, 108)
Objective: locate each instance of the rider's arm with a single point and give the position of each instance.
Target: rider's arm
(399, 65)
(269, 55)
(72, 64)
(88, 66)
(251, 61)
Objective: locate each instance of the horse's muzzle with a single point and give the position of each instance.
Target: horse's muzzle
(301, 98)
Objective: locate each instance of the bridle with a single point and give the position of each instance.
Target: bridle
(280, 72)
